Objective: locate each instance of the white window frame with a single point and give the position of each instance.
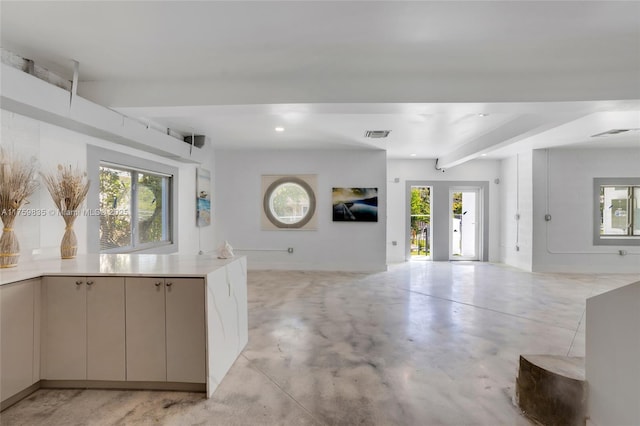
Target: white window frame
(97, 157)
(611, 240)
(136, 245)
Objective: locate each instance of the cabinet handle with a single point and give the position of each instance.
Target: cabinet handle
(89, 282)
(169, 284)
(78, 282)
(159, 283)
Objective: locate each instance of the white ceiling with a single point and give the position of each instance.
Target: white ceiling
(450, 79)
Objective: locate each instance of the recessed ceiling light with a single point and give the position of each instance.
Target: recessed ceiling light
(412, 155)
(279, 129)
(483, 155)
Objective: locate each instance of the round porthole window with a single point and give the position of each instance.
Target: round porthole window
(289, 202)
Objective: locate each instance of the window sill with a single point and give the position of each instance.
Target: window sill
(617, 241)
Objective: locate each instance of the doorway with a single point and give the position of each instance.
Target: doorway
(420, 245)
(464, 224)
(436, 234)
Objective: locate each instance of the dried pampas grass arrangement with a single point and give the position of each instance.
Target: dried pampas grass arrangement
(68, 188)
(17, 183)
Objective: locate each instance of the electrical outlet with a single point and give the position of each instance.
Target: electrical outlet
(290, 250)
(394, 243)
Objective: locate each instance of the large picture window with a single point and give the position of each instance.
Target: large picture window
(618, 211)
(134, 208)
(136, 200)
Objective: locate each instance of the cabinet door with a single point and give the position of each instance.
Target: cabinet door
(65, 323)
(17, 337)
(106, 359)
(145, 328)
(185, 330)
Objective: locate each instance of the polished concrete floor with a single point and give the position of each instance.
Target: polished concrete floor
(425, 343)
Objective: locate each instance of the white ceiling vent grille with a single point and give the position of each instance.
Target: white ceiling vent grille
(614, 132)
(376, 134)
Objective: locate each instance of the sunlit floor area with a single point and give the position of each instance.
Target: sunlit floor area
(420, 257)
(429, 343)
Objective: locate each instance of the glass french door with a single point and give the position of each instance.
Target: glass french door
(464, 223)
(420, 223)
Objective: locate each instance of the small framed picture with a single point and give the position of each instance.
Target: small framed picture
(203, 197)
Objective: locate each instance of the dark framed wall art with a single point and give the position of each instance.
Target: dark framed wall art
(355, 204)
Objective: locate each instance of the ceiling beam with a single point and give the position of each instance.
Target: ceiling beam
(516, 130)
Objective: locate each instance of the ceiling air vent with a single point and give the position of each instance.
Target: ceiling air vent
(614, 132)
(376, 134)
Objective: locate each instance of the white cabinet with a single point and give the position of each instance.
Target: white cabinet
(19, 336)
(115, 326)
(83, 328)
(186, 336)
(146, 342)
(165, 329)
(106, 358)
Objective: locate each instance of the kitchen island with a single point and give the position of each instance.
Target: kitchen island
(121, 321)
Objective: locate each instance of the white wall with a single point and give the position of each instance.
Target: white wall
(516, 234)
(32, 139)
(565, 244)
(237, 203)
(424, 170)
(611, 357)
(53, 145)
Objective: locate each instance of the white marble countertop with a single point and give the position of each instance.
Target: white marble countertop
(115, 264)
